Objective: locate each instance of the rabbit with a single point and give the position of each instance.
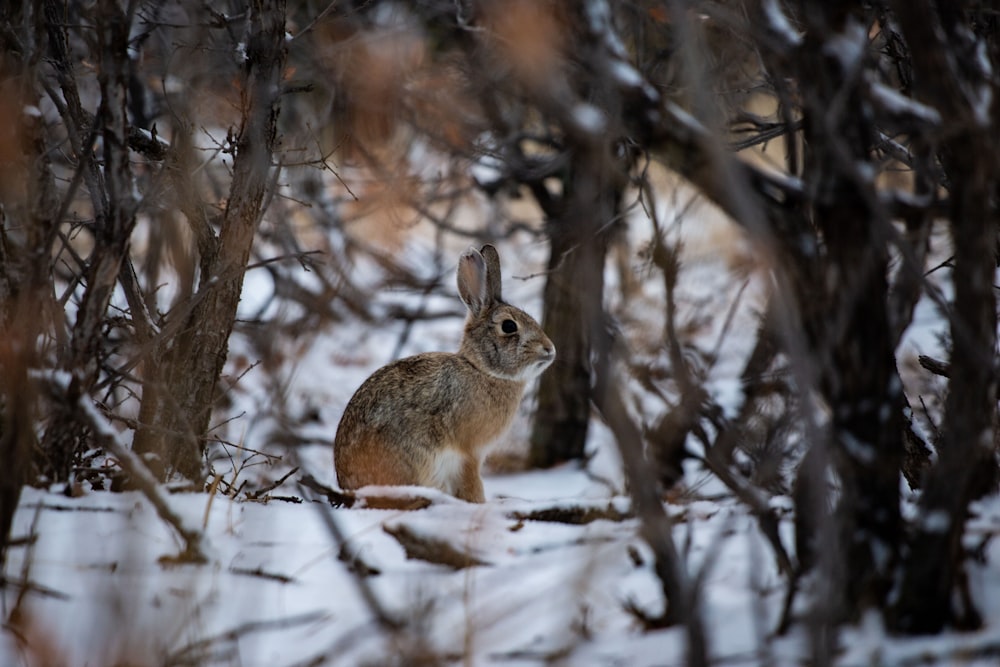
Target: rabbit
(426, 420)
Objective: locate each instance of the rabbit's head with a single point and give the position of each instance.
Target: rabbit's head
(500, 340)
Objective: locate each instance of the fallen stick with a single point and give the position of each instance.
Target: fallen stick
(431, 549)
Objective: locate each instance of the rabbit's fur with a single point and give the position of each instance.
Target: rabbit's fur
(426, 420)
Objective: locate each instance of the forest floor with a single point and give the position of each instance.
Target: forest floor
(550, 570)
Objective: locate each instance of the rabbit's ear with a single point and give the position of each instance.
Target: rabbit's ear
(492, 258)
(472, 281)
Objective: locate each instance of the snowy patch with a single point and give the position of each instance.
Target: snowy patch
(898, 104)
(625, 74)
(780, 24)
(936, 521)
(487, 170)
(848, 47)
(860, 451)
(728, 393)
(589, 118)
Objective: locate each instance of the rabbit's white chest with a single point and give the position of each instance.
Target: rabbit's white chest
(446, 469)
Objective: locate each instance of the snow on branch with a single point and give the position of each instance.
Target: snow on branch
(422, 545)
(617, 64)
(779, 24)
(896, 104)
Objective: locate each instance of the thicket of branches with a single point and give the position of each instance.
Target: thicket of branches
(151, 153)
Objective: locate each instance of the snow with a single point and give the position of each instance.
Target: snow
(780, 24)
(280, 587)
(626, 75)
(936, 521)
(487, 171)
(848, 47)
(983, 103)
(982, 108)
(727, 392)
(598, 14)
(275, 564)
(861, 451)
(588, 118)
(276, 591)
(897, 103)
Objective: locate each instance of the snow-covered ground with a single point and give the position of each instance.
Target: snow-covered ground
(280, 590)
(276, 592)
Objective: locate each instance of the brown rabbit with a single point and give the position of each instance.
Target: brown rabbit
(426, 420)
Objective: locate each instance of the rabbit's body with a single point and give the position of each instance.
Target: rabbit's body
(377, 442)
(426, 420)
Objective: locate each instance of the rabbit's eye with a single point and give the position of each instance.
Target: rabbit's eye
(508, 326)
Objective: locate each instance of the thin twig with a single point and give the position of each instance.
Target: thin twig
(271, 487)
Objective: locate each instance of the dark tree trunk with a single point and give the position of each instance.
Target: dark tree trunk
(966, 467)
(575, 275)
(932, 591)
(16, 434)
(110, 188)
(179, 388)
(574, 293)
(26, 302)
(846, 319)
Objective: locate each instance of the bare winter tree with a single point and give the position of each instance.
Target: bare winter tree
(24, 268)
(954, 57)
(854, 100)
(183, 369)
(132, 211)
(844, 240)
(99, 126)
(564, 101)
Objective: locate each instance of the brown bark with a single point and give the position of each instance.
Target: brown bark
(562, 417)
(180, 381)
(110, 188)
(574, 293)
(25, 271)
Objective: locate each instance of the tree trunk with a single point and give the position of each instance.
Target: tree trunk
(563, 413)
(574, 293)
(945, 68)
(110, 186)
(846, 318)
(26, 301)
(966, 467)
(180, 380)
